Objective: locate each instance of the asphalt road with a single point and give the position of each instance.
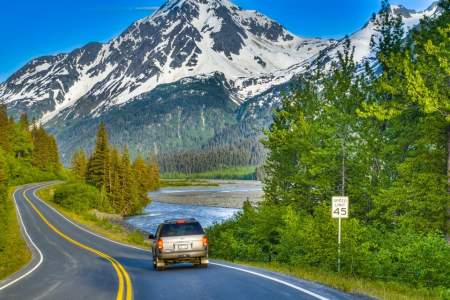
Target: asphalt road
(70, 262)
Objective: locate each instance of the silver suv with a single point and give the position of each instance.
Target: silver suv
(179, 241)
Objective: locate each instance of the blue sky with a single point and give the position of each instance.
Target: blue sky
(31, 28)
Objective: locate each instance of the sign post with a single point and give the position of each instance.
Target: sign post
(339, 210)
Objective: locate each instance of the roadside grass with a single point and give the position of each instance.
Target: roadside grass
(16, 253)
(186, 182)
(358, 286)
(236, 173)
(115, 232)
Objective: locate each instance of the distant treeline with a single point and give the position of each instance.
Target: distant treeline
(123, 185)
(247, 153)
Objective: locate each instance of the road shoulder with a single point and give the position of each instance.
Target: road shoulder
(28, 257)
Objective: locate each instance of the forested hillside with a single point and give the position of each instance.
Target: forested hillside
(27, 154)
(381, 137)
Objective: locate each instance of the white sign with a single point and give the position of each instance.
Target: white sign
(339, 207)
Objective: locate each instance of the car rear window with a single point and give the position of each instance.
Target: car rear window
(181, 229)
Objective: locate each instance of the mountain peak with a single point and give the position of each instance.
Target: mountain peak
(184, 38)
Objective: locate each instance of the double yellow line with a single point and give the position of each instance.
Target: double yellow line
(122, 274)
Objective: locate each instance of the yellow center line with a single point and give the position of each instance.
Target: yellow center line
(120, 270)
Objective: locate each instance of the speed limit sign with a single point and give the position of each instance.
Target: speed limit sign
(339, 208)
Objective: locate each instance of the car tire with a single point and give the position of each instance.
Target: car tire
(155, 264)
(200, 265)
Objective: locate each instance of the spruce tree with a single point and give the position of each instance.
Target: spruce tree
(389, 38)
(53, 153)
(98, 165)
(23, 122)
(5, 129)
(79, 164)
(143, 180)
(153, 173)
(3, 199)
(115, 193)
(22, 143)
(128, 187)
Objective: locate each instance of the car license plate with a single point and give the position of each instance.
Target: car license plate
(183, 247)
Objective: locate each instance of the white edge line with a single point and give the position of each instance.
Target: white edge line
(41, 256)
(273, 279)
(216, 264)
(82, 228)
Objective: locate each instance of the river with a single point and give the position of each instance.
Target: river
(208, 204)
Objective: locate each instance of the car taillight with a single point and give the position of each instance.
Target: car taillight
(205, 241)
(160, 244)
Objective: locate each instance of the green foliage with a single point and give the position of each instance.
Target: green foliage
(98, 166)
(78, 197)
(25, 157)
(281, 234)
(3, 200)
(79, 164)
(45, 151)
(5, 134)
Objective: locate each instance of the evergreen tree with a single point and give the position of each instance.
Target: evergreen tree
(22, 143)
(153, 173)
(98, 165)
(128, 187)
(115, 194)
(5, 142)
(53, 153)
(23, 122)
(389, 38)
(3, 199)
(144, 180)
(79, 164)
(45, 150)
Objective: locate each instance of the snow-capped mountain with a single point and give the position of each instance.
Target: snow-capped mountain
(259, 107)
(361, 38)
(176, 79)
(183, 38)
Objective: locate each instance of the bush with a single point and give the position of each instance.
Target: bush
(22, 172)
(281, 234)
(78, 197)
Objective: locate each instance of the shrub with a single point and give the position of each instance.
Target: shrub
(282, 234)
(78, 197)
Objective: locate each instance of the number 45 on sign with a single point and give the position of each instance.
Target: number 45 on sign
(339, 207)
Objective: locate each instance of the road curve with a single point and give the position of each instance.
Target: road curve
(69, 262)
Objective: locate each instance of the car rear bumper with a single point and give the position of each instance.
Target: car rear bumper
(183, 255)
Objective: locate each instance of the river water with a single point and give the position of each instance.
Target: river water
(208, 205)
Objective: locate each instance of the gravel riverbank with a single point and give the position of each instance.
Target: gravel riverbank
(229, 194)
